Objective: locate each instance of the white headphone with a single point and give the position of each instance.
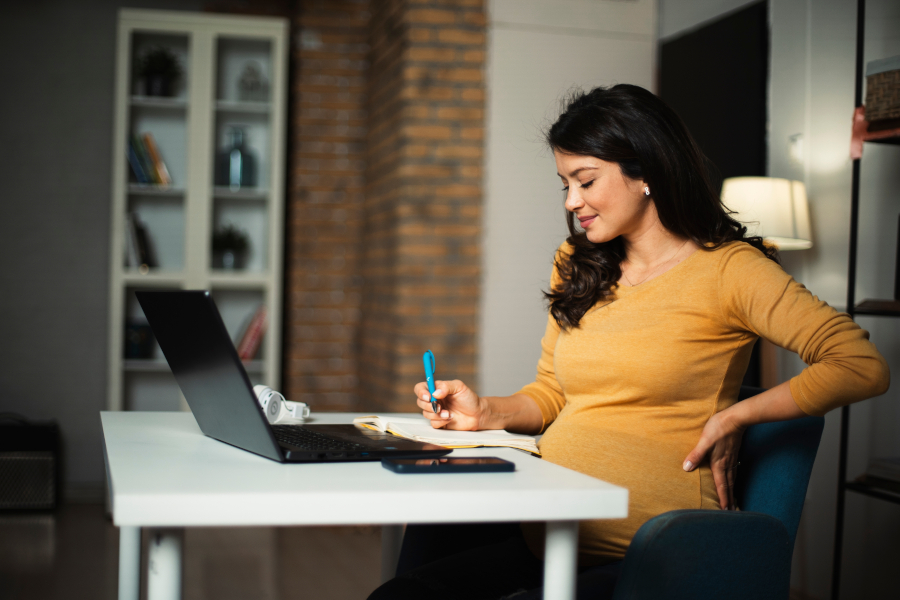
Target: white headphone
(278, 409)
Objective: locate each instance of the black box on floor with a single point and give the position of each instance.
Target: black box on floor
(29, 464)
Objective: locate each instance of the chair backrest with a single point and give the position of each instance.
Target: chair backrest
(698, 553)
(776, 462)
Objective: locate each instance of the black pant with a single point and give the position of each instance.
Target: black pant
(479, 562)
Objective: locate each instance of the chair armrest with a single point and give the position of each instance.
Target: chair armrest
(688, 554)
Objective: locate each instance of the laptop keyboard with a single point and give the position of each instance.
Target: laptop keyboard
(312, 440)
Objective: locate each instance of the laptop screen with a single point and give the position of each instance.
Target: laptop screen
(206, 366)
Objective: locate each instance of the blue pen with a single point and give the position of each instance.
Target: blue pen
(428, 359)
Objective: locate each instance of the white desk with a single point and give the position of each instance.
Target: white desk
(163, 472)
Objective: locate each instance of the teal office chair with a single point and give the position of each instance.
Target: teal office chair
(737, 555)
(689, 554)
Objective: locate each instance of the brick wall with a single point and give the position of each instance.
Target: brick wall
(423, 195)
(383, 246)
(325, 203)
(377, 335)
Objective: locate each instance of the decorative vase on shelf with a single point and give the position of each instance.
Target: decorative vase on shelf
(236, 166)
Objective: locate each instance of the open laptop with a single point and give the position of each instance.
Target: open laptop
(212, 378)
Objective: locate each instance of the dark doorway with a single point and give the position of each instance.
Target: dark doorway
(715, 77)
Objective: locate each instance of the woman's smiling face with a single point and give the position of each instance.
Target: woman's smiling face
(606, 203)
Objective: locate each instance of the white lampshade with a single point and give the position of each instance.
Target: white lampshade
(775, 209)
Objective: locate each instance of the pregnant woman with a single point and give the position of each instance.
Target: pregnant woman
(655, 302)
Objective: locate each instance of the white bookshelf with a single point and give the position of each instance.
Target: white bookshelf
(190, 128)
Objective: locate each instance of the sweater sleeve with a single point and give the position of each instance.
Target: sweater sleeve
(844, 366)
(545, 390)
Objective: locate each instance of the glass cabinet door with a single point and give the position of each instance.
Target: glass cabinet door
(157, 152)
(243, 156)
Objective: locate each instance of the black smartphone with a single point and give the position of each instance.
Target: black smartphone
(453, 464)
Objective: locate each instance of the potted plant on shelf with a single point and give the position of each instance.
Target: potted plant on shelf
(159, 68)
(230, 246)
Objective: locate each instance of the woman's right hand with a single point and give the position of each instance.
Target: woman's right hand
(458, 406)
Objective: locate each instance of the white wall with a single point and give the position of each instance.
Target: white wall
(538, 50)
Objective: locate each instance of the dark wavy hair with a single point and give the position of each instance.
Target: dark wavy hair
(630, 126)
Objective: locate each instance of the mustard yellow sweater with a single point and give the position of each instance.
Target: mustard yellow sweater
(625, 396)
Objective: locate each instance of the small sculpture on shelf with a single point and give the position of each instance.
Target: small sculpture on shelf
(252, 87)
(230, 246)
(158, 69)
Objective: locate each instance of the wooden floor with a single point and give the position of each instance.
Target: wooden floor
(73, 555)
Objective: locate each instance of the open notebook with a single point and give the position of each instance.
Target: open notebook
(420, 430)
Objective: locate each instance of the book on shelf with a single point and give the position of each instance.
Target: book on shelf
(162, 173)
(146, 161)
(419, 429)
(132, 254)
(253, 335)
(139, 249)
(147, 253)
(136, 167)
(143, 160)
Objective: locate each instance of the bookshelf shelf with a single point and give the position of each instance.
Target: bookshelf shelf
(190, 131)
(884, 136)
(253, 194)
(139, 189)
(884, 133)
(153, 278)
(880, 308)
(237, 280)
(241, 107)
(159, 102)
(890, 140)
(877, 488)
(145, 365)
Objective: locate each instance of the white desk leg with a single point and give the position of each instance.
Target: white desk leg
(164, 565)
(391, 540)
(129, 563)
(560, 560)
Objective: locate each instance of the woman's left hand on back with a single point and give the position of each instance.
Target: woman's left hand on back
(720, 441)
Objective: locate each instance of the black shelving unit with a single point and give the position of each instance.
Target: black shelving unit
(868, 486)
